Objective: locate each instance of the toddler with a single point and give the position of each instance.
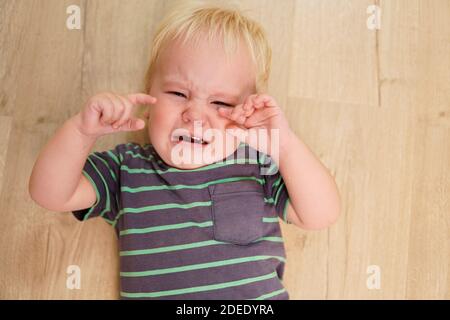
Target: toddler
(196, 211)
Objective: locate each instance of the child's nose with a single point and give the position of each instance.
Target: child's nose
(195, 111)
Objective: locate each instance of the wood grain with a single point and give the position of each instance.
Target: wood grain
(374, 105)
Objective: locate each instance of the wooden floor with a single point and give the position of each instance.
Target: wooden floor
(373, 104)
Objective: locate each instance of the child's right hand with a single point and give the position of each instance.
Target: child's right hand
(108, 112)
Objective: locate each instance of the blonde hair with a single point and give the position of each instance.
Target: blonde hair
(187, 20)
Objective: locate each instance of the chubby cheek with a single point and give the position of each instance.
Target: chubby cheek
(161, 121)
(220, 125)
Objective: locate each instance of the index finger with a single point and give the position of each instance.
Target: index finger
(264, 100)
(141, 98)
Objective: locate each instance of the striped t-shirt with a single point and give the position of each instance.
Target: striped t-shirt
(206, 233)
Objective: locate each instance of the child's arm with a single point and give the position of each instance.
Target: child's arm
(57, 182)
(315, 201)
(314, 197)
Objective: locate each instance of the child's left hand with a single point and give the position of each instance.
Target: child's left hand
(259, 111)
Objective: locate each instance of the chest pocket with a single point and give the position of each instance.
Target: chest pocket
(237, 211)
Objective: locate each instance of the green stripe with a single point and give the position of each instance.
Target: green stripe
(272, 239)
(273, 169)
(263, 159)
(107, 165)
(97, 194)
(171, 206)
(111, 222)
(188, 246)
(181, 226)
(107, 209)
(116, 219)
(134, 155)
(277, 182)
(167, 206)
(270, 219)
(185, 186)
(199, 266)
(166, 227)
(269, 295)
(162, 206)
(210, 287)
(132, 144)
(113, 156)
(170, 248)
(278, 192)
(207, 167)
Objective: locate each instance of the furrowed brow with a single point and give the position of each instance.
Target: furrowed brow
(224, 95)
(173, 82)
(217, 94)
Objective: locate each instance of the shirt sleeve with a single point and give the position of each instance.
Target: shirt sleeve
(102, 169)
(274, 186)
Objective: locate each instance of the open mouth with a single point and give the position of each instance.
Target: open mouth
(189, 139)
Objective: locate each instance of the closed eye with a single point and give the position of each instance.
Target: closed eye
(177, 93)
(215, 102)
(223, 103)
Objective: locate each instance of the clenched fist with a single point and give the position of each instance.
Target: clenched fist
(108, 112)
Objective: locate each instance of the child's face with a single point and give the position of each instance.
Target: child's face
(191, 83)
